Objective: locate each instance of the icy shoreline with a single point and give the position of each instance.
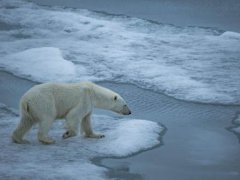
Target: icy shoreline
(70, 158)
(191, 128)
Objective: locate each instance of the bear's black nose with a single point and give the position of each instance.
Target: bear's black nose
(126, 110)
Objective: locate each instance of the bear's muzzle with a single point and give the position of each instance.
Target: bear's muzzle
(126, 110)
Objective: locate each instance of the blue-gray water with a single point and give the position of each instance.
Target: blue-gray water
(215, 13)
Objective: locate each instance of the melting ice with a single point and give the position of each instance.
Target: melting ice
(71, 158)
(190, 63)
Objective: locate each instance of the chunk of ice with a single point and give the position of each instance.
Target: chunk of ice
(71, 158)
(41, 64)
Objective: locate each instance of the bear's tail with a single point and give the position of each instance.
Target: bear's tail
(25, 124)
(26, 113)
(25, 109)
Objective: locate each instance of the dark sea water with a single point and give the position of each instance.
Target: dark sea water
(221, 14)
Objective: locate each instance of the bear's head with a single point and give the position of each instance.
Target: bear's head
(119, 105)
(107, 99)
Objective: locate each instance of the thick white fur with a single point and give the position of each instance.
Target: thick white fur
(47, 102)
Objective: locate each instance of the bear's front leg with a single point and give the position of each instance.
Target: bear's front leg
(72, 121)
(87, 129)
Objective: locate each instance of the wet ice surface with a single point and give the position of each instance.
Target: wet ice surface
(190, 63)
(71, 158)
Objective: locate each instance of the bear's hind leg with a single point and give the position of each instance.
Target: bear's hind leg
(87, 128)
(22, 128)
(44, 127)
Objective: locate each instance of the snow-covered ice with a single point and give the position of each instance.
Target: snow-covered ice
(71, 158)
(42, 64)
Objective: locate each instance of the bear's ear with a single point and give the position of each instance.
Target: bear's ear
(115, 98)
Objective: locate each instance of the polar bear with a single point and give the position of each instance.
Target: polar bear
(47, 102)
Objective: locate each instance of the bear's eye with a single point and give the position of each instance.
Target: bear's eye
(115, 98)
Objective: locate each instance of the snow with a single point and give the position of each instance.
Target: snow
(71, 158)
(41, 64)
(231, 35)
(129, 137)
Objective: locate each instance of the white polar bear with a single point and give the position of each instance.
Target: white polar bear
(75, 102)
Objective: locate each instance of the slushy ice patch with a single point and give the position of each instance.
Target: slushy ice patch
(71, 158)
(190, 63)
